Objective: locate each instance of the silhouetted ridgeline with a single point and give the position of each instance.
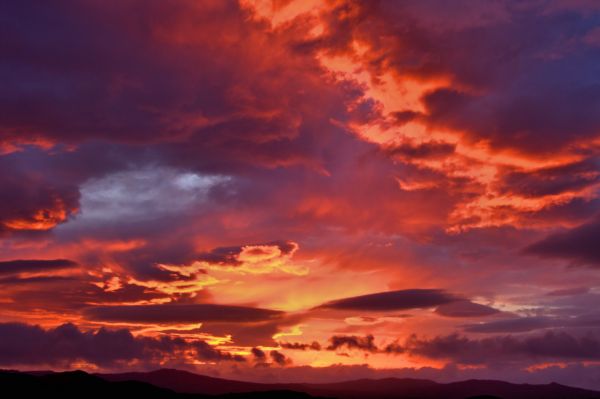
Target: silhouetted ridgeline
(183, 381)
(78, 384)
(182, 384)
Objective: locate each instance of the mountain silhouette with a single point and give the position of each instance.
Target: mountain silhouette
(79, 384)
(186, 382)
(177, 384)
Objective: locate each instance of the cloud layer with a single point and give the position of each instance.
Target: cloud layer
(362, 186)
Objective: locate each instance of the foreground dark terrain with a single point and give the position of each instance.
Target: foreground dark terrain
(181, 384)
(78, 384)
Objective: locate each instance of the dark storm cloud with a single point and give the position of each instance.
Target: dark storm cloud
(580, 245)
(35, 265)
(23, 344)
(185, 313)
(393, 300)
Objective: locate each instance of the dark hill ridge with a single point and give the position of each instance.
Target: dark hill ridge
(178, 384)
(183, 381)
(78, 384)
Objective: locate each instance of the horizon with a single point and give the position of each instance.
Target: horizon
(302, 190)
(286, 382)
(176, 383)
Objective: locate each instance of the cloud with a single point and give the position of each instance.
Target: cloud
(553, 345)
(366, 343)
(555, 180)
(497, 101)
(35, 265)
(394, 348)
(424, 150)
(465, 309)
(476, 107)
(584, 319)
(73, 294)
(254, 333)
(205, 351)
(165, 145)
(44, 280)
(65, 345)
(237, 255)
(393, 300)
(272, 257)
(279, 358)
(33, 204)
(569, 291)
(259, 354)
(145, 90)
(521, 324)
(580, 245)
(134, 194)
(183, 313)
(315, 346)
(497, 349)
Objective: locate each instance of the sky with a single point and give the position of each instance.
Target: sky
(302, 190)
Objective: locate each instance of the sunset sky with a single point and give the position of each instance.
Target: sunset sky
(302, 190)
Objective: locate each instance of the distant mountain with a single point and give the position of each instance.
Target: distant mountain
(176, 384)
(183, 381)
(78, 384)
(186, 382)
